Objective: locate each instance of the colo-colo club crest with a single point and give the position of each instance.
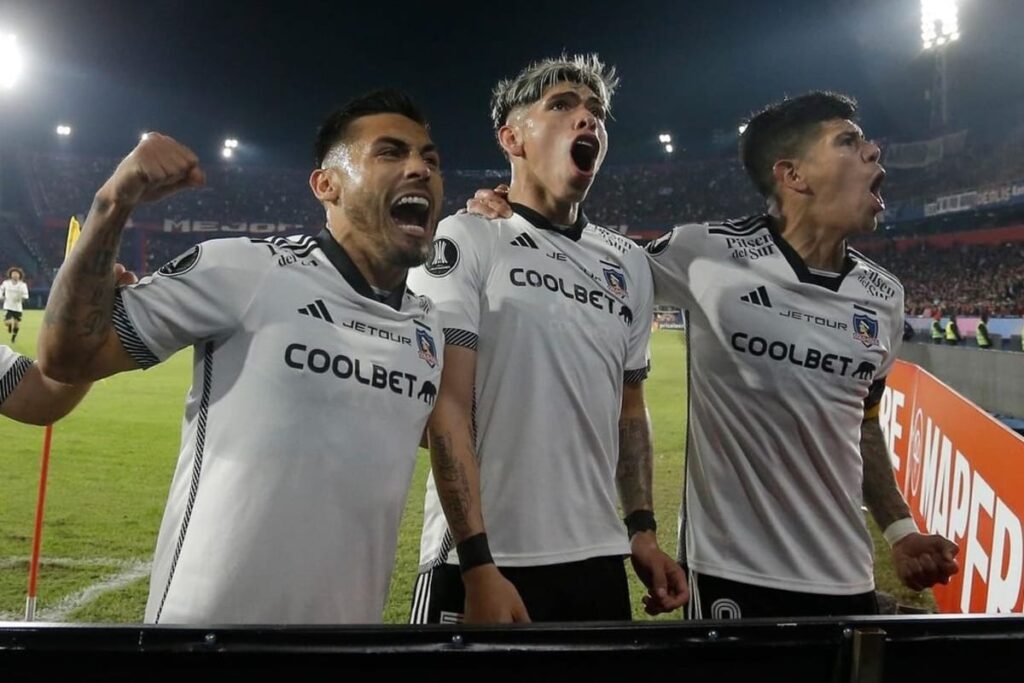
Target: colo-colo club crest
(427, 350)
(865, 327)
(616, 282)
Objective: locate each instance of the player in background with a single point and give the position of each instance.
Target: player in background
(26, 395)
(310, 390)
(547, 319)
(791, 333)
(13, 291)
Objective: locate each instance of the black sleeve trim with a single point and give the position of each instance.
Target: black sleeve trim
(12, 378)
(130, 339)
(456, 337)
(634, 376)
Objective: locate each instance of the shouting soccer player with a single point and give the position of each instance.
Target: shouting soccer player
(791, 334)
(546, 321)
(311, 386)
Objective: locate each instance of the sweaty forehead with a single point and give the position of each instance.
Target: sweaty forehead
(367, 129)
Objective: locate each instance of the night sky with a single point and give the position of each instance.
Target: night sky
(267, 72)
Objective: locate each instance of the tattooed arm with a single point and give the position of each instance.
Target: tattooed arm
(490, 597)
(77, 342)
(635, 471)
(662, 575)
(452, 446)
(920, 560)
(881, 494)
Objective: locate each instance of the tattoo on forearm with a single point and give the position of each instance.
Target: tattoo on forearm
(453, 487)
(82, 299)
(881, 494)
(634, 473)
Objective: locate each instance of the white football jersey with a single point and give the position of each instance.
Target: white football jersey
(781, 360)
(300, 434)
(13, 367)
(558, 319)
(13, 294)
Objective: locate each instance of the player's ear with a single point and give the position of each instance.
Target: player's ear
(787, 175)
(511, 140)
(324, 184)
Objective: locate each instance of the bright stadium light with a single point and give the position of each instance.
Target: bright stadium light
(940, 23)
(11, 62)
(63, 130)
(742, 128)
(231, 143)
(664, 138)
(143, 136)
(227, 152)
(669, 148)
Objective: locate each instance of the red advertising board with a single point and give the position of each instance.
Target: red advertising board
(962, 473)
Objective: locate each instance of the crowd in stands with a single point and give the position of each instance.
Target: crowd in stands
(627, 198)
(965, 280)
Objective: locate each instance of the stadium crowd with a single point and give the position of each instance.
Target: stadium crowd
(964, 280)
(628, 198)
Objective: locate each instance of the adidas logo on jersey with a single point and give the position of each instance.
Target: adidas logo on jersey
(524, 240)
(758, 297)
(317, 310)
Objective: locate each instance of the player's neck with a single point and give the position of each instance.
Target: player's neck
(821, 246)
(374, 270)
(543, 202)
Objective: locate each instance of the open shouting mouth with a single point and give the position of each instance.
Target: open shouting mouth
(411, 213)
(585, 150)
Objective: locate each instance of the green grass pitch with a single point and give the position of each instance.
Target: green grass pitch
(111, 467)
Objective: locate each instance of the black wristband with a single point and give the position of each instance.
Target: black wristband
(473, 552)
(640, 520)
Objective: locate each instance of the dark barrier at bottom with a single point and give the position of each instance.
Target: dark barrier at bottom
(905, 649)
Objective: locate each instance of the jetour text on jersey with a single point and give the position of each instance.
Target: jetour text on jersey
(812, 358)
(321, 362)
(375, 331)
(523, 277)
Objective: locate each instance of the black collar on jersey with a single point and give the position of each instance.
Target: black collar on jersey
(340, 259)
(573, 231)
(803, 273)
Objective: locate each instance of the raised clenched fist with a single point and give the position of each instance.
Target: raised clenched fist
(158, 167)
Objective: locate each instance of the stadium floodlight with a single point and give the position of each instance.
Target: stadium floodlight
(664, 138)
(742, 128)
(940, 23)
(231, 143)
(227, 152)
(11, 61)
(64, 130)
(669, 148)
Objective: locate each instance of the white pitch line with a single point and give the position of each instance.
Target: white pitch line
(131, 571)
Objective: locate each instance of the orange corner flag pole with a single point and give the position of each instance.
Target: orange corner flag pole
(74, 230)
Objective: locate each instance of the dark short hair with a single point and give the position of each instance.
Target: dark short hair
(10, 271)
(785, 129)
(382, 101)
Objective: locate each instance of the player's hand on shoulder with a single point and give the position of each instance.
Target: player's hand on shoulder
(158, 167)
(490, 204)
(665, 580)
(491, 598)
(921, 560)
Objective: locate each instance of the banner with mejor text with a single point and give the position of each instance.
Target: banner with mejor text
(962, 473)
